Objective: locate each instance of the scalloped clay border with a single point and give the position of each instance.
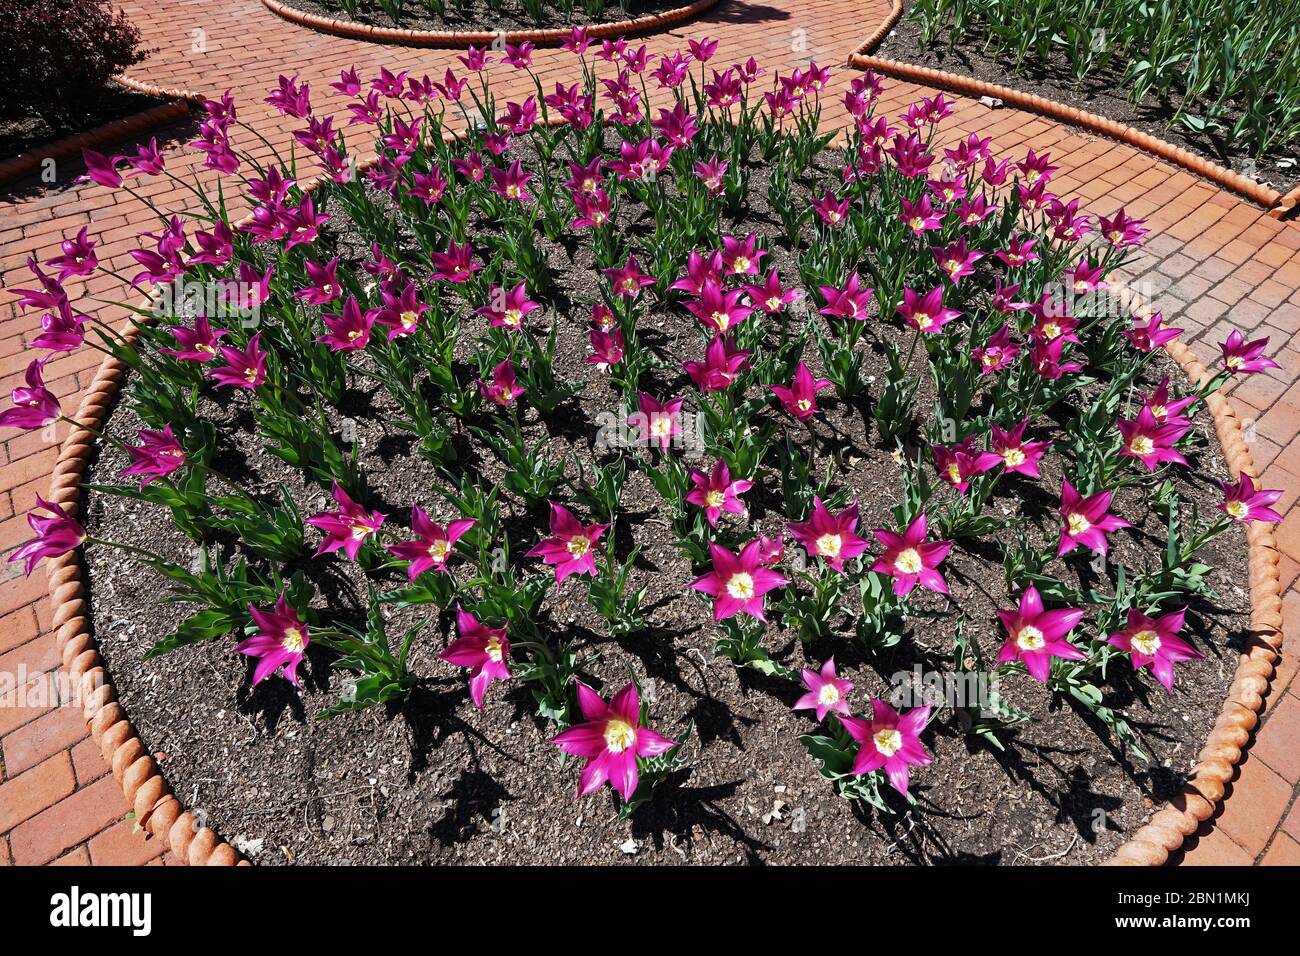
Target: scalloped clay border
(1277, 204)
(158, 811)
(650, 23)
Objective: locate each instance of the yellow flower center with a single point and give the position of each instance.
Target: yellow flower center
(741, 264)
(512, 317)
(721, 320)
(578, 545)
(1234, 361)
(1051, 330)
(1077, 523)
(1237, 509)
(512, 191)
(715, 499)
(773, 303)
(619, 735)
(250, 374)
(359, 530)
(1159, 411)
(908, 561)
(829, 545)
(1141, 445)
(923, 320)
(661, 425)
(888, 742)
(1030, 638)
(408, 319)
(292, 641)
(439, 550)
(1145, 641)
(741, 586)
(954, 473)
(493, 649)
(916, 222)
(803, 404)
(1013, 457)
(829, 695)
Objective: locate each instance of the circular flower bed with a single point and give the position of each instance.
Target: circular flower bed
(790, 503)
(481, 21)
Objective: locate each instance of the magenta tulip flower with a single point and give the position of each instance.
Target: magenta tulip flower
(157, 455)
(432, 545)
(889, 742)
(1153, 643)
(611, 739)
(738, 582)
(800, 397)
(997, 353)
(716, 492)
(1244, 503)
(1035, 636)
(280, 641)
(926, 313)
(503, 387)
(1245, 357)
(657, 421)
(244, 368)
(629, 279)
(78, 256)
(958, 464)
(717, 308)
(570, 549)
(847, 303)
(910, 559)
(348, 527)
(507, 309)
(485, 650)
(198, 344)
(1149, 334)
(831, 537)
(1163, 408)
(35, 406)
(827, 693)
(456, 265)
(956, 260)
(1017, 454)
(1149, 441)
(606, 348)
(771, 296)
(350, 330)
(721, 367)
(56, 534)
(1086, 521)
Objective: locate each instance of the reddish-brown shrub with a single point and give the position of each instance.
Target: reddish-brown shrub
(56, 58)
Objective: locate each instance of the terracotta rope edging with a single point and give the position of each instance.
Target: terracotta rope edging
(1170, 826)
(1273, 201)
(650, 22)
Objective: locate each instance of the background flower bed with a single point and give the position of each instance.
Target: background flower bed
(773, 149)
(484, 15)
(1067, 70)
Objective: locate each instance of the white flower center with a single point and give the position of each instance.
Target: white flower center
(829, 695)
(439, 550)
(1013, 457)
(661, 425)
(1030, 638)
(408, 319)
(1237, 509)
(1141, 445)
(716, 499)
(1077, 523)
(829, 545)
(888, 742)
(578, 545)
(908, 561)
(360, 530)
(493, 649)
(741, 586)
(292, 641)
(619, 735)
(1145, 642)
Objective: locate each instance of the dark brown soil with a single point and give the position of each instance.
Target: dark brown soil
(479, 15)
(438, 782)
(1101, 92)
(22, 134)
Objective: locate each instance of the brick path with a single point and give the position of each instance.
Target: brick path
(1213, 261)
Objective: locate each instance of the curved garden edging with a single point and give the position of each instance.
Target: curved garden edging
(463, 38)
(158, 810)
(1277, 204)
(1170, 826)
(107, 134)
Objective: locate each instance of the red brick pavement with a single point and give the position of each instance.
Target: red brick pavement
(1213, 261)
